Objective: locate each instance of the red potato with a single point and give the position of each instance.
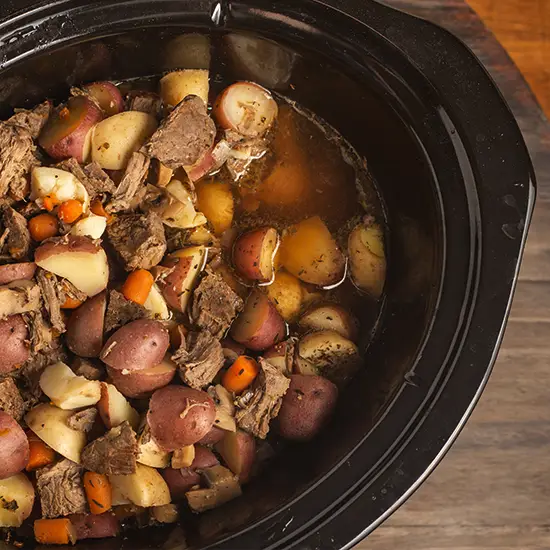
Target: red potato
(180, 481)
(141, 383)
(91, 526)
(136, 346)
(178, 285)
(246, 108)
(107, 95)
(281, 356)
(14, 447)
(259, 326)
(15, 345)
(238, 451)
(85, 327)
(17, 272)
(215, 435)
(212, 161)
(330, 317)
(67, 132)
(180, 416)
(114, 409)
(80, 260)
(254, 254)
(306, 407)
(204, 458)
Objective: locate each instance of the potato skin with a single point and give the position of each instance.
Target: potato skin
(204, 458)
(15, 348)
(138, 345)
(180, 416)
(142, 382)
(17, 272)
(85, 327)
(14, 447)
(307, 405)
(214, 436)
(89, 526)
(180, 481)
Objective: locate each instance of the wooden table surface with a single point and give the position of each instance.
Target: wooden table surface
(492, 491)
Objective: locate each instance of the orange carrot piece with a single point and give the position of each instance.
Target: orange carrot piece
(97, 208)
(42, 227)
(70, 211)
(240, 375)
(54, 531)
(40, 454)
(98, 491)
(71, 303)
(138, 286)
(50, 202)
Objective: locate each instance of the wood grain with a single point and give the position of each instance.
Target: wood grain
(492, 491)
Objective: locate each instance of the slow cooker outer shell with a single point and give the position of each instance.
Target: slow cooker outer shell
(474, 146)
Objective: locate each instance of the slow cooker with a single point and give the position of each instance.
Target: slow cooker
(458, 188)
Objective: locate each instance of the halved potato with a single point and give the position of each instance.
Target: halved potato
(66, 390)
(309, 252)
(49, 423)
(330, 317)
(254, 254)
(145, 487)
(286, 293)
(215, 200)
(181, 212)
(91, 226)
(17, 500)
(149, 453)
(177, 85)
(184, 457)
(114, 409)
(59, 185)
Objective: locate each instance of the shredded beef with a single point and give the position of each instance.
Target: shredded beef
(82, 421)
(121, 311)
(87, 368)
(184, 136)
(40, 332)
(91, 176)
(16, 157)
(60, 489)
(19, 297)
(11, 401)
(175, 239)
(215, 305)
(19, 238)
(199, 358)
(114, 453)
(33, 121)
(131, 183)
(139, 239)
(68, 290)
(268, 391)
(51, 291)
(145, 102)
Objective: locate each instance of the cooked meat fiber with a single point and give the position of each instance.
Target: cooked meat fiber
(87, 368)
(131, 183)
(16, 157)
(82, 421)
(51, 290)
(199, 358)
(11, 401)
(145, 102)
(121, 311)
(92, 177)
(215, 305)
(184, 136)
(114, 453)
(34, 120)
(19, 297)
(19, 239)
(268, 391)
(139, 239)
(60, 489)
(40, 331)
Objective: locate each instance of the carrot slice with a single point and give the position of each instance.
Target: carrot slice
(71, 303)
(240, 375)
(98, 491)
(138, 286)
(54, 531)
(40, 454)
(98, 209)
(42, 227)
(70, 211)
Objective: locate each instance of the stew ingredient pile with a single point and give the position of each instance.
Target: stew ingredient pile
(168, 300)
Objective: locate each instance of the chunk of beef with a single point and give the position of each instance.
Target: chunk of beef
(92, 177)
(176, 239)
(11, 401)
(51, 291)
(40, 331)
(185, 135)
(139, 239)
(121, 311)
(199, 358)
(145, 102)
(268, 391)
(82, 421)
(67, 290)
(114, 453)
(131, 183)
(87, 368)
(34, 120)
(19, 238)
(215, 305)
(60, 489)
(16, 158)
